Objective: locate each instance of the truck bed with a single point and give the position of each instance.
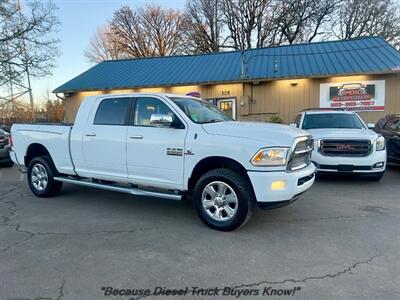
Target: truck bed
(54, 137)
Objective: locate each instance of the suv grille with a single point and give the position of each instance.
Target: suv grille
(345, 147)
(301, 154)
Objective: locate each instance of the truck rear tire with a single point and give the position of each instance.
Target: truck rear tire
(224, 199)
(41, 172)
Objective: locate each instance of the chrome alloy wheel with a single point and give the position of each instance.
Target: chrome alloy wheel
(39, 177)
(219, 201)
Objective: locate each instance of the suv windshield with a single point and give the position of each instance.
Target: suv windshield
(315, 121)
(200, 111)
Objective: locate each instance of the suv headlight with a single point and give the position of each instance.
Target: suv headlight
(271, 157)
(380, 143)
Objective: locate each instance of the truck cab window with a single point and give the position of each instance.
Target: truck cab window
(146, 106)
(112, 111)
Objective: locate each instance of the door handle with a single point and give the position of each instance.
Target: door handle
(90, 134)
(138, 137)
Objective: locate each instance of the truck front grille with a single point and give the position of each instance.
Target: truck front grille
(345, 147)
(301, 154)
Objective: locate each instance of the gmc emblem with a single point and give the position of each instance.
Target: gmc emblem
(344, 147)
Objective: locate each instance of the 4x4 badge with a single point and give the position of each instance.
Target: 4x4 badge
(175, 151)
(189, 152)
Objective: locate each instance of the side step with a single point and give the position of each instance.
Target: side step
(127, 190)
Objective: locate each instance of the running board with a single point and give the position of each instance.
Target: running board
(132, 191)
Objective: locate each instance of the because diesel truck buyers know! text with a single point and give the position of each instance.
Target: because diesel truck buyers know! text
(169, 146)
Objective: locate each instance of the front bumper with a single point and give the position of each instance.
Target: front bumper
(295, 183)
(350, 164)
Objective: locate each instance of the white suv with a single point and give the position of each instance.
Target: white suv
(343, 142)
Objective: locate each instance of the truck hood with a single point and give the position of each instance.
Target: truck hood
(273, 134)
(339, 133)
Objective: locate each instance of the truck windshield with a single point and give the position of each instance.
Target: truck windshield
(315, 121)
(200, 111)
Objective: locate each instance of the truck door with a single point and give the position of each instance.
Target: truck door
(155, 155)
(104, 140)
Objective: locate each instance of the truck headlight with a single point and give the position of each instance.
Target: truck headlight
(380, 143)
(270, 157)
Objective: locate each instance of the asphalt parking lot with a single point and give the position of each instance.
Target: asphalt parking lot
(342, 240)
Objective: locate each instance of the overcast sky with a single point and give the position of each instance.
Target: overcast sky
(80, 18)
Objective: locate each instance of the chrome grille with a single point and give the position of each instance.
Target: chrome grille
(345, 147)
(301, 154)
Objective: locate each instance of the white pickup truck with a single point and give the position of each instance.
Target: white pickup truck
(169, 146)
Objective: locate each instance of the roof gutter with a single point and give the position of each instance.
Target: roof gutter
(59, 97)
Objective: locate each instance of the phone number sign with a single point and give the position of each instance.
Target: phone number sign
(355, 95)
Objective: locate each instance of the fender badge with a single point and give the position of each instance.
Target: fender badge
(189, 152)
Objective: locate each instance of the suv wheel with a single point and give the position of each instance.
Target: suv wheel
(224, 199)
(41, 172)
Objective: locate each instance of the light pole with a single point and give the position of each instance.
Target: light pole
(28, 76)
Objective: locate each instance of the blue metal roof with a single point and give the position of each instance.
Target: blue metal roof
(321, 59)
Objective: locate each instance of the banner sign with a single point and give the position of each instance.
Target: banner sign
(357, 95)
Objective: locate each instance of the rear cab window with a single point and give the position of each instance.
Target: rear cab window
(393, 123)
(113, 111)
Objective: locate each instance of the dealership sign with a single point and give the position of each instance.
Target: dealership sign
(356, 95)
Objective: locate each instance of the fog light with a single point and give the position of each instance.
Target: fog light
(379, 165)
(278, 185)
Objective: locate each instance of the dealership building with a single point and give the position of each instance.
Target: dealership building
(360, 74)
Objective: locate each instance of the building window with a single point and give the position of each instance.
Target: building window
(227, 105)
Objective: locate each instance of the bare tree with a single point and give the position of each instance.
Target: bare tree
(149, 31)
(303, 20)
(203, 26)
(101, 46)
(53, 108)
(268, 30)
(369, 17)
(213, 25)
(246, 22)
(26, 39)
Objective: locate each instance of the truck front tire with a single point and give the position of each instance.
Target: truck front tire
(224, 199)
(41, 172)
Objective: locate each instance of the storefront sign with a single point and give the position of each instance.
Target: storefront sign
(357, 95)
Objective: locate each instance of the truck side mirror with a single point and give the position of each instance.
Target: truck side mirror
(159, 120)
(371, 125)
(293, 125)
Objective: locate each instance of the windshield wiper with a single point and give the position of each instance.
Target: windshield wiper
(349, 127)
(214, 121)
